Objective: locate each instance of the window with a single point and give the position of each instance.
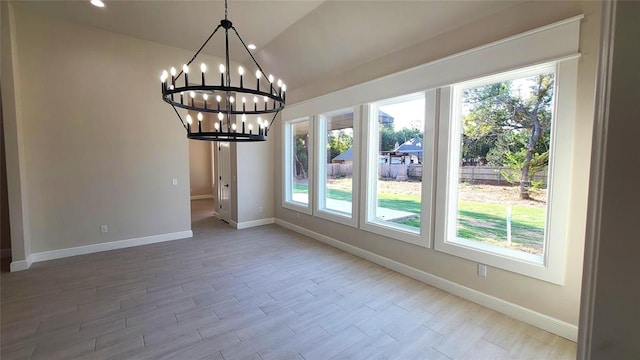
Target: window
(297, 187)
(337, 166)
(502, 170)
(400, 202)
(400, 167)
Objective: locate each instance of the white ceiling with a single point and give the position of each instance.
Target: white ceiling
(299, 40)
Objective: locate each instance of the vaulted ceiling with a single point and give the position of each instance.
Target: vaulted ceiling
(299, 40)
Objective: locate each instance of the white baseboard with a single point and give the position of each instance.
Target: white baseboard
(21, 264)
(529, 316)
(201, 197)
(253, 223)
(5, 253)
(93, 248)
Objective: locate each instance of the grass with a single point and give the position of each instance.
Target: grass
(487, 223)
(478, 221)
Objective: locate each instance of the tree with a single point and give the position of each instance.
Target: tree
(337, 143)
(389, 137)
(514, 121)
(301, 157)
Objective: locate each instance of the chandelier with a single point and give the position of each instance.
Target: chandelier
(232, 107)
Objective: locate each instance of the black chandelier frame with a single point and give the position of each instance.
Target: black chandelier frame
(273, 100)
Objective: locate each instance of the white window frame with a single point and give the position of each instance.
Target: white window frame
(287, 191)
(370, 148)
(320, 209)
(551, 266)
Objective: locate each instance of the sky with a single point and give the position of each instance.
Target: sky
(408, 114)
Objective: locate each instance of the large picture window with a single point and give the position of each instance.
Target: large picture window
(337, 165)
(297, 184)
(399, 165)
(500, 183)
(504, 130)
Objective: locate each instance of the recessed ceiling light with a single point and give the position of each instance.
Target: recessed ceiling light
(251, 46)
(97, 3)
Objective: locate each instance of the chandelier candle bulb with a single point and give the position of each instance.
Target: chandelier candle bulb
(193, 98)
(234, 127)
(258, 76)
(244, 119)
(189, 121)
(163, 79)
(205, 97)
(222, 68)
(185, 70)
(241, 72)
(173, 77)
(203, 69)
(271, 83)
(250, 128)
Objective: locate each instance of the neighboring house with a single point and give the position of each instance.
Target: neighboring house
(409, 152)
(344, 158)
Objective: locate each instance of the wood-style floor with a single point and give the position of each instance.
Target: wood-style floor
(260, 293)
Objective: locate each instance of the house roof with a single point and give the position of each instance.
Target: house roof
(413, 145)
(345, 156)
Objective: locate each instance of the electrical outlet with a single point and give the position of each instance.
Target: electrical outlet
(482, 270)
(104, 229)
(174, 182)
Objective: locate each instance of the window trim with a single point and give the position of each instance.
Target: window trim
(368, 221)
(287, 135)
(319, 210)
(552, 266)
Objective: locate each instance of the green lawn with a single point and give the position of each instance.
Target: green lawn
(300, 188)
(476, 221)
(487, 222)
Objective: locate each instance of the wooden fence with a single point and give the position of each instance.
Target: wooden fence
(473, 174)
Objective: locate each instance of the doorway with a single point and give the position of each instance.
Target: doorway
(224, 180)
(202, 182)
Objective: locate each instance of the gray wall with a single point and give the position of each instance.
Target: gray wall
(75, 149)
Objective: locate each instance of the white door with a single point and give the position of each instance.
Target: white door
(224, 181)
